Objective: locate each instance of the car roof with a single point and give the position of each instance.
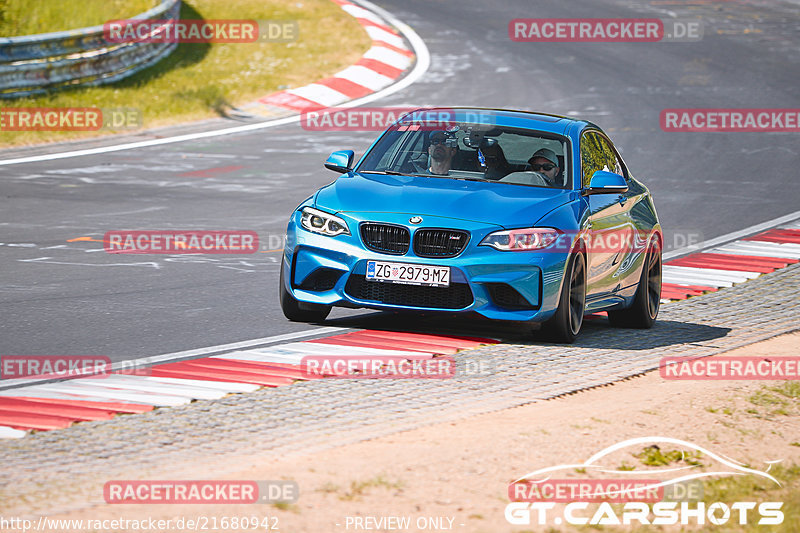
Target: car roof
(515, 118)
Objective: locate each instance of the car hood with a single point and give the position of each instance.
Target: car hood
(504, 204)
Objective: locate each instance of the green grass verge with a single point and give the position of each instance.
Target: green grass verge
(205, 80)
(27, 17)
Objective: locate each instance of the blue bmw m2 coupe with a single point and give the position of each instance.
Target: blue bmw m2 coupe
(512, 215)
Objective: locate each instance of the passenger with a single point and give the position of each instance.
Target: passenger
(443, 147)
(545, 162)
(492, 159)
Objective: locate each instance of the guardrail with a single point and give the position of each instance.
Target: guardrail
(34, 64)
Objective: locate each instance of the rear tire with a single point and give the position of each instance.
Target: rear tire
(297, 311)
(642, 314)
(565, 325)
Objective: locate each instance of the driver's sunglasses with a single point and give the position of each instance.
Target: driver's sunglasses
(439, 140)
(547, 167)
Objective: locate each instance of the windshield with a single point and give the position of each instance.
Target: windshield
(471, 151)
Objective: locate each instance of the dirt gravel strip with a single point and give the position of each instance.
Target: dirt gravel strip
(52, 471)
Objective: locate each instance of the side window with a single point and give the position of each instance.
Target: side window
(593, 157)
(614, 163)
(597, 153)
(381, 157)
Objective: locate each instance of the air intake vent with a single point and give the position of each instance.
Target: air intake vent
(504, 295)
(385, 238)
(456, 296)
(439, 242)
(322, 279)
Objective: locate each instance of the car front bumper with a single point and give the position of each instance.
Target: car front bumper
(331, 271)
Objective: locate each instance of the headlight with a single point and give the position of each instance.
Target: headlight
(520, 240)
(317, 221)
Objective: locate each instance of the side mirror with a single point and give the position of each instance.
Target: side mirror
(604, 182)
(340, 161)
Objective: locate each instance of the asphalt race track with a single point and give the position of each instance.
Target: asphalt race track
(60, 297)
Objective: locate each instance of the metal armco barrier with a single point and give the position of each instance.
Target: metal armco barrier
(35, 64)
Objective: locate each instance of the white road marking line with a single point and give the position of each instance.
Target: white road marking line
(365, 77)
(763, 249)
(378, 34)
(360, 12)
(11, 433)
(336, 349)
(189, 354)
(225, 386)
(695, 280)
(786, 246)
(78, 389)
(728, 237)
(320, 94)
(252, 355)
(390, 57)
(36, 392)
(45, 260)
(724, 275)
(139, 383)
(296, 352)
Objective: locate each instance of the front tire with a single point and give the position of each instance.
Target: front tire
(642, 314)
(565, 325)
(297, 311)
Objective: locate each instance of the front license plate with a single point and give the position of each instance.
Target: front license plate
(410, 274)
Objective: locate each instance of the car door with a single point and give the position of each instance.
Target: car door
(632, 241)
(609, 220)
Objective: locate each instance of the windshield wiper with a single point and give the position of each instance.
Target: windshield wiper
(470, 179)
(389, 172)
(417, 175)
(395, 173)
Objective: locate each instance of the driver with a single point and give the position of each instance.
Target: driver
(545, 162)
(441, 150)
